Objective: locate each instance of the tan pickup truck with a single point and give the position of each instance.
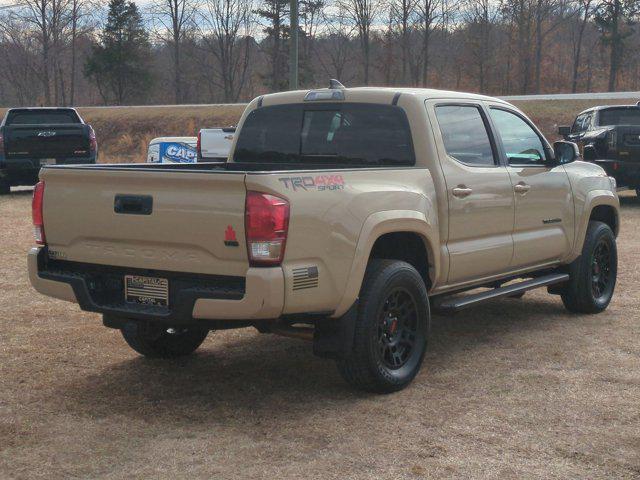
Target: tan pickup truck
(342, 215)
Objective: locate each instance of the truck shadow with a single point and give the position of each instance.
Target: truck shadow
(630, 201)
(263, 376)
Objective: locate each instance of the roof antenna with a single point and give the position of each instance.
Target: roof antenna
(335, 85)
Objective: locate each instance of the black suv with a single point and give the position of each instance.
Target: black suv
(610, 137)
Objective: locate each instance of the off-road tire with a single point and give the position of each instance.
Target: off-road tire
(387, 284)
(154, 340)
(587, 291)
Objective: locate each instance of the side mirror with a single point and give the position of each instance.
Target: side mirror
(566, 152)
(564, 131)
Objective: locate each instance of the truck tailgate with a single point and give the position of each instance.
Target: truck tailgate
(46, 141)
(183, 221)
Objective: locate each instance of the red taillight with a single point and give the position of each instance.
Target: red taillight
(198, 150)
(93, 143)
(36, 213)
(266, 227)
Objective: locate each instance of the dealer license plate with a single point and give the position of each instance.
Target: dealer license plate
(146, 290)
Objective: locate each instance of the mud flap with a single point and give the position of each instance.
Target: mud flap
(333, 338)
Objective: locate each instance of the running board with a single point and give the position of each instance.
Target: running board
(455, 304)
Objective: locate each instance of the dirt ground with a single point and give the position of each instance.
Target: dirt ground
(514, 389)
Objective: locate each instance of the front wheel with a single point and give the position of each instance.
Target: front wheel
(5, 188)
(593, 274)
(158, 341)
(391, 329)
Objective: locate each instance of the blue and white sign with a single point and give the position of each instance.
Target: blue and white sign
(174, 152)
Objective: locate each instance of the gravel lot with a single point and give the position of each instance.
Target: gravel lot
(514, 389)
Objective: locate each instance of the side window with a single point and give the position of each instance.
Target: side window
(521, 143)
(588, 122)
(465, 135)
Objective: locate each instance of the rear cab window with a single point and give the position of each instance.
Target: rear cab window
(344, 134)
(619, 116)
(41, 117)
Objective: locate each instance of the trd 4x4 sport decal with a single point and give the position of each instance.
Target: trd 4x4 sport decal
(319, 182)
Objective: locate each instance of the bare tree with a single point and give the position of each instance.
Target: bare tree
(336, 45)
(363, 14)
(177, 18)
(310, 20)
(584, 11)
(480, 16)
(431, 12)
(228, 32)
(20, 58)
(405, 15)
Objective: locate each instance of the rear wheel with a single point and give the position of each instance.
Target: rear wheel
(391, 329)
(593, 274)
(159, 341)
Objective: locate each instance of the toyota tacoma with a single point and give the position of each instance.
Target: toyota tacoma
(344, 216)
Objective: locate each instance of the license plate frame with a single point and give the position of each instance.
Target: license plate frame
(144, 290)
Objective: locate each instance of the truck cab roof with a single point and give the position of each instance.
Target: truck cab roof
(374, 95)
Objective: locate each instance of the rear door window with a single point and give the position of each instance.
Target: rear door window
(42, 117)
(326, 134)
(464, 134)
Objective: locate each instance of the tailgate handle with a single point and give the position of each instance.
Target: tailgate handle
(133, 204)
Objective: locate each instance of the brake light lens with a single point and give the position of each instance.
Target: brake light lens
(36, 213)
(93, 142)
(198, 149)
(266, 227)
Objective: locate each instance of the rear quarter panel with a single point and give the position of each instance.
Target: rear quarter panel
(335, 219)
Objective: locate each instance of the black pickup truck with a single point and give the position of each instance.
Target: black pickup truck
(32, 137)
(610, 137)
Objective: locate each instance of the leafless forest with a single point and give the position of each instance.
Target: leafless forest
(210, 51)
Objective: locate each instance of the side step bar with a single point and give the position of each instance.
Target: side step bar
(455, 304)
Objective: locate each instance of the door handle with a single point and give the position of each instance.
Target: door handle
(133, 204)
(461, 191)
(522, 188)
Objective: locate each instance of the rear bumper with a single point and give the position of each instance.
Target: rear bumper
(626, 173)
(99, 288)
(24, 171)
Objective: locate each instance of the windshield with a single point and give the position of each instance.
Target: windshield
(331, 134)
(620, 116)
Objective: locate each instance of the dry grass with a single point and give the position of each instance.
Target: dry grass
(124, 134)
(514, 389)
